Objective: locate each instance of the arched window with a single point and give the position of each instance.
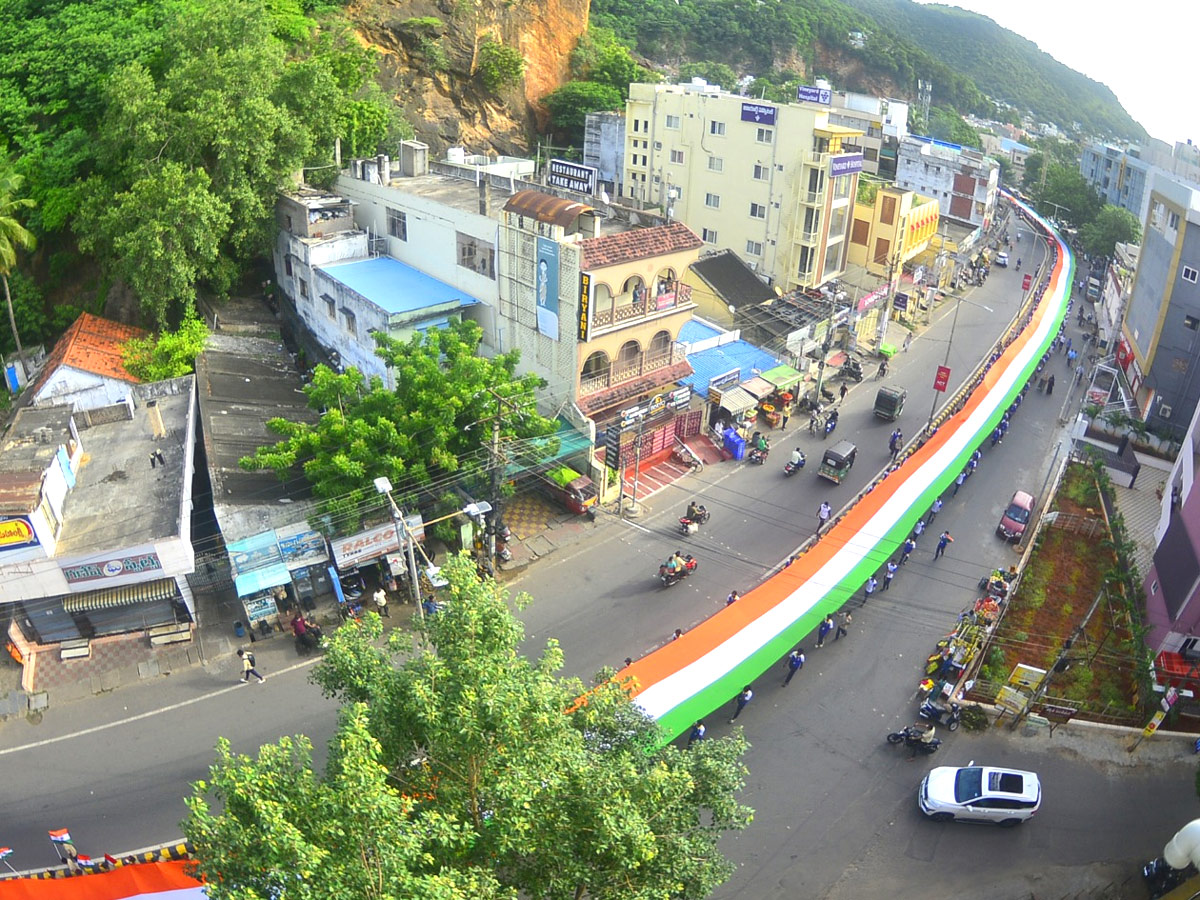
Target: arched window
(603, 304)
(660, 346)
(630, 351)
(632, 282)
(595, 364)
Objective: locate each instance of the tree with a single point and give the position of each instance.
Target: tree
(555, 797)
(434, 423)
(499, 65)
(1114, 225)
(570, 104)
(13, 235)
(169, 354)
(1067, 195)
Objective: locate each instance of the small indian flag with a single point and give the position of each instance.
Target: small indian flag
(5, 851)
(87, 861)
(61, 836)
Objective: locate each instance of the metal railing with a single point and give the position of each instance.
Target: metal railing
(623, 371)
(625, 309)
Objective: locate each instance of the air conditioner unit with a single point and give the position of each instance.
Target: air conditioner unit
(1164, 411)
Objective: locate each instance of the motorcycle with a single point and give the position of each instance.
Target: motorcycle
(668, 578)
(827, 394)
(353, 585)
(690, 525)
(758, 457)
(791, 467)
(940, 715)
(852, 370)
(917, 736)
(830, 424)
(1161, 877)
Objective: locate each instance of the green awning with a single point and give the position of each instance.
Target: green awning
(569, 440)
(783, 377)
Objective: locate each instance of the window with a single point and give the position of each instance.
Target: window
(657, 144)
(712, 201)
(287, 265)
(635, 126)
(716, 164)
(348, 322)
(717, 128)
(673, 122)
(330, 310)
(758, 211)
(761, 173)
(303, 288)
(754, 248)
(1189, 274)
(477, 255)
(765, 135)
(677, 157)
(708, 236)
(1191, 323)
(397, 224)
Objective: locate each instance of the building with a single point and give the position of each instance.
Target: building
(1012, 153)
(963, 181)
(604, 149)
(95, 517)
(85, 369)
(722, 284)
(1160, 349)
(775, 183)
(1124, 176)
(883, 122)
(1114, 294)
(892, 230)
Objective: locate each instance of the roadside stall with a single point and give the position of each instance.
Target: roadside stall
(733, 408)
(785, 379)
(761, 390)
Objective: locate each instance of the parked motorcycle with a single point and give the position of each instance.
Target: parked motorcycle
(1162, 878)
(934, 712)
(918, 736)
(792, 466)
(827, 394)
(690, 525)
(668, 578)
(852, 370)
(352, 583)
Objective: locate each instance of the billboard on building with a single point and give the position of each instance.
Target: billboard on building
(845, 165)
(585, 303)
(809, 94)
(571, 176)
(546, 288)
(761, 113)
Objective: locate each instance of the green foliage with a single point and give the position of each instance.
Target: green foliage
(1113, 225)
(1066, 194)
(421, 23)
(429, 426)
(557, 798)
(947, 125)
(600, 57)
(974, 718)
(170, 354)
(868, 190)
(570, 104)
(29, 309)
(498, 65)
(435, 55)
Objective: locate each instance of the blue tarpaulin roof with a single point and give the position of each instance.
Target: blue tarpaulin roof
(708, 364)
(260, 579)
(395, 287)
(694, 330)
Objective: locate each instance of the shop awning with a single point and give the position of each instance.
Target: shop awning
(737, 401)
(758, 387)
(783, 377)
(127, 595)
(260, 579)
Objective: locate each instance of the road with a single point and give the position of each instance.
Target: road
(836, 812)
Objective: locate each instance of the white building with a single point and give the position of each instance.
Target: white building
(963, 181)
(604, 149)
(883, 122)
(85, 369)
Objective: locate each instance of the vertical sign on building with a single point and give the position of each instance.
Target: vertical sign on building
(612, 446)
(585, 304)
(546, 287)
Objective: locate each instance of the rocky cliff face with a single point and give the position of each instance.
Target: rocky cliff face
(429, 50)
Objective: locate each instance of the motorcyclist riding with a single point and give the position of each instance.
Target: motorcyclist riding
(797, 457)
(693, 511)
(832, 421)
(1018, 264)
(883, 370)
(761, 443)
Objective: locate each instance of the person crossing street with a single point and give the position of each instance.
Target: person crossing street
(795, 662)
(944, 540)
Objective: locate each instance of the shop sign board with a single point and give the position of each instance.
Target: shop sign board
(807, 93)
(612, 446)
(585, 303)
(845, 165)
(720, 382)
(16, 533)
(941, 379)
(261, 607)
(374, 542)
(761, 113)
(1059, 714)
(299, 545)
(256, 552)
(113, 567)
(1152, 725)
(900, 302)
(1026, 676)
(571, 176)
(1011, 699)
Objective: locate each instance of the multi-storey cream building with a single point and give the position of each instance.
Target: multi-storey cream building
(772, 182)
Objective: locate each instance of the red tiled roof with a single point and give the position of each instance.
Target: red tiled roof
(91, 344)
(638, 243)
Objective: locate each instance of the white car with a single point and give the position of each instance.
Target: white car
(974, 793)
(1002, 259)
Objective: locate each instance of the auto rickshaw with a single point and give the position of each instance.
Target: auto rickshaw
(837, 461)
(574, 491)
(889, 403)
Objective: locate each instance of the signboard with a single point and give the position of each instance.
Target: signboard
(758, 112)
(260, 608)
(585, 307)
(612, 447)
(808, 94)
(545, 285)
(255, 552)
(374, 542)
(1152, 725)
(941, 379)
(300, 546)
(1169, 700)
(720, 382)
(1011, 699)
(16, 533)
(900, 302)
(112, 568)
(1059, 714)
(845, 165)
(1026, 281)
(571, 176)
(1026, 676)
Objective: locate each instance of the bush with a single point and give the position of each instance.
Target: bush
(974, 718)
(498, 65)
(570, 104)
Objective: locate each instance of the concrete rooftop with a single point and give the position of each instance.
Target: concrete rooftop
(396, 287)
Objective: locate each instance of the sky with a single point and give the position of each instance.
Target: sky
(1145, 52)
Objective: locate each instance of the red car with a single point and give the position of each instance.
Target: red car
(1016, 517)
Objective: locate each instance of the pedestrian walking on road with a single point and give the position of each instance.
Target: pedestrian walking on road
(889, 573)
(1068, 345)
(795, 662)
(743, 698)
(944, 540)
(1049, 385)
(785, 414)
(844, 620)
(843, 391)
(934, 510)
(869, 588)
(248, 667)
(1079, 373)
(1071, 354)
(823, 630)
(823, 515)
(698, 732)
(918, 528)
(907, 341)
(906, 550)
(381, 604)
(958, 482)
(733, 597)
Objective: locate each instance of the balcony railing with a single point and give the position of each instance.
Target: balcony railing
(812, 198)
(634, 305)
(626, 370)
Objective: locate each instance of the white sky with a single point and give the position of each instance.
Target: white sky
(1145, 53)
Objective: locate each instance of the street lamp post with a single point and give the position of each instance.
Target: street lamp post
(946, 362)
(403, 540)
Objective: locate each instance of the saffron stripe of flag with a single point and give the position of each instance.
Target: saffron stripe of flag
(111, 860)
(61, 836)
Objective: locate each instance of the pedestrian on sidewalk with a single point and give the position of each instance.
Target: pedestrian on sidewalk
(785, 414)
(698, 732)
(1068, 345)
(906, 550)
(934, 510)
(1049, 385)
(958, 482)
(794, 662)
(844, 619)
(743, 698)
(889, 573)
(733, 597)
(944, 540)
(248, 667)
(381, 604)
(907, 341)
(918, 528)
(823, 630)
(842, 392)
(1079, 373)
(823, 515)
(869, 588)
